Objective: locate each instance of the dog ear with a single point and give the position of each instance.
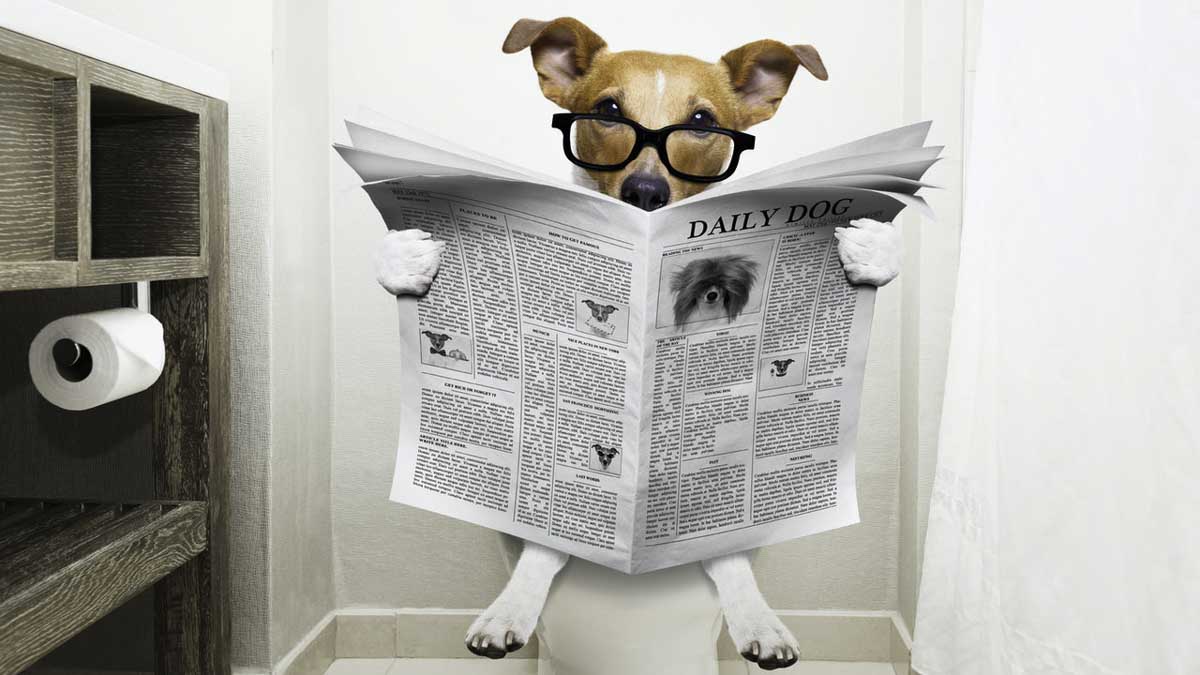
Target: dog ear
(762, 71)
(562, 50)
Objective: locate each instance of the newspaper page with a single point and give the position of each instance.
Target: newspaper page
(520, 409)
(637, 389)
(754, 358)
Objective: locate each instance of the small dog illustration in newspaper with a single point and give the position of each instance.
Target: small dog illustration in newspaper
(713, 288)
(447, 350)
(437, 342)
(599, 312)
(605, 454)
(779, 367)
(601, 316)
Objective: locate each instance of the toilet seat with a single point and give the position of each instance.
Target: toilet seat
(598, 621)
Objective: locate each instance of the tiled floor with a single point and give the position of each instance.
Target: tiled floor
(529, 667)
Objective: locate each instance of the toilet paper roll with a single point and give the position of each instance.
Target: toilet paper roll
(86, 360)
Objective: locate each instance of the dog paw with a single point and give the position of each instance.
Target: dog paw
(502, 628)
(871, 251)
(762, 638)
(406, 261)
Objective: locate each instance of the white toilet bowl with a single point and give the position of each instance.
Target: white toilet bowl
(601, 622)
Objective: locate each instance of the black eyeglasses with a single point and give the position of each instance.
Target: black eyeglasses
(691, 152)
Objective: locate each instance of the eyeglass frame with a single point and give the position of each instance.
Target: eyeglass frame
(656, 138)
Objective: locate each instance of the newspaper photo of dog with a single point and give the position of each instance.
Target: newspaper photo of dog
(713, 286)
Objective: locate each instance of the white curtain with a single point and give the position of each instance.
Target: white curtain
(1064, 526)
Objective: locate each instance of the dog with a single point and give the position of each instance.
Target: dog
(577, 71)
(600, 312)
(437, 342)
(605, 455)
(457, 355)
(779, 368)
(713, 288)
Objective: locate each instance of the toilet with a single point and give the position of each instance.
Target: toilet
(598, 621)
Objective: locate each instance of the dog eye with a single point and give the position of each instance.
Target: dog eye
(702, 118)
(608, 106)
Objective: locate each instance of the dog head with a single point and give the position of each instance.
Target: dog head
(779, 368)
(436, 340)
(605, 454)
(577, 71)
(599, 312)
(720, 283)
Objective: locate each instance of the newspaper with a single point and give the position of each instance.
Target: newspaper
(567, 379)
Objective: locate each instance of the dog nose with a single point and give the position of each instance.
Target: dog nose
(712, 296)
(646, 192)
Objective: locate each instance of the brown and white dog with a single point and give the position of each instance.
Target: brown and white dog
(577, 71)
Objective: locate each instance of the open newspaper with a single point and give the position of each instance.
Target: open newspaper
(639, 389)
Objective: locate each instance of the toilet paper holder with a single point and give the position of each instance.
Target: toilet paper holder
(73, 360)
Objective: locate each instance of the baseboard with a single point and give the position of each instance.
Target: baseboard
(879, 636)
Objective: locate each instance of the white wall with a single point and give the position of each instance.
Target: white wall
(273, 54)
(439, 66)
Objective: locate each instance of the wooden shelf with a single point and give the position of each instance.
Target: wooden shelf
(65, 564)
(106, 176)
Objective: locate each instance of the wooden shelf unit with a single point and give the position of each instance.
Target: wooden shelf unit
(67, 564)
(108, 177)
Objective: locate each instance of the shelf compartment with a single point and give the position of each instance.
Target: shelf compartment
(145, 177)
(65, 564)
(39, 163)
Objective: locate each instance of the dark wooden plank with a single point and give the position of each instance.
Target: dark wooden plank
(26, 565)
(49, 520)
(14, 516)
(26, 164)
(66, 169)
(181, 446)
(215, 622)
(43, 615)
(18, 276)
(99, 524)
(128, 270)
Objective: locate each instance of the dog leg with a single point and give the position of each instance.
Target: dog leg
(508, 623)
(406, 261)
(871, 251)
(758, 633)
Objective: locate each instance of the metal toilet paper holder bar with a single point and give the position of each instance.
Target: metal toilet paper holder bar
(73, 360)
